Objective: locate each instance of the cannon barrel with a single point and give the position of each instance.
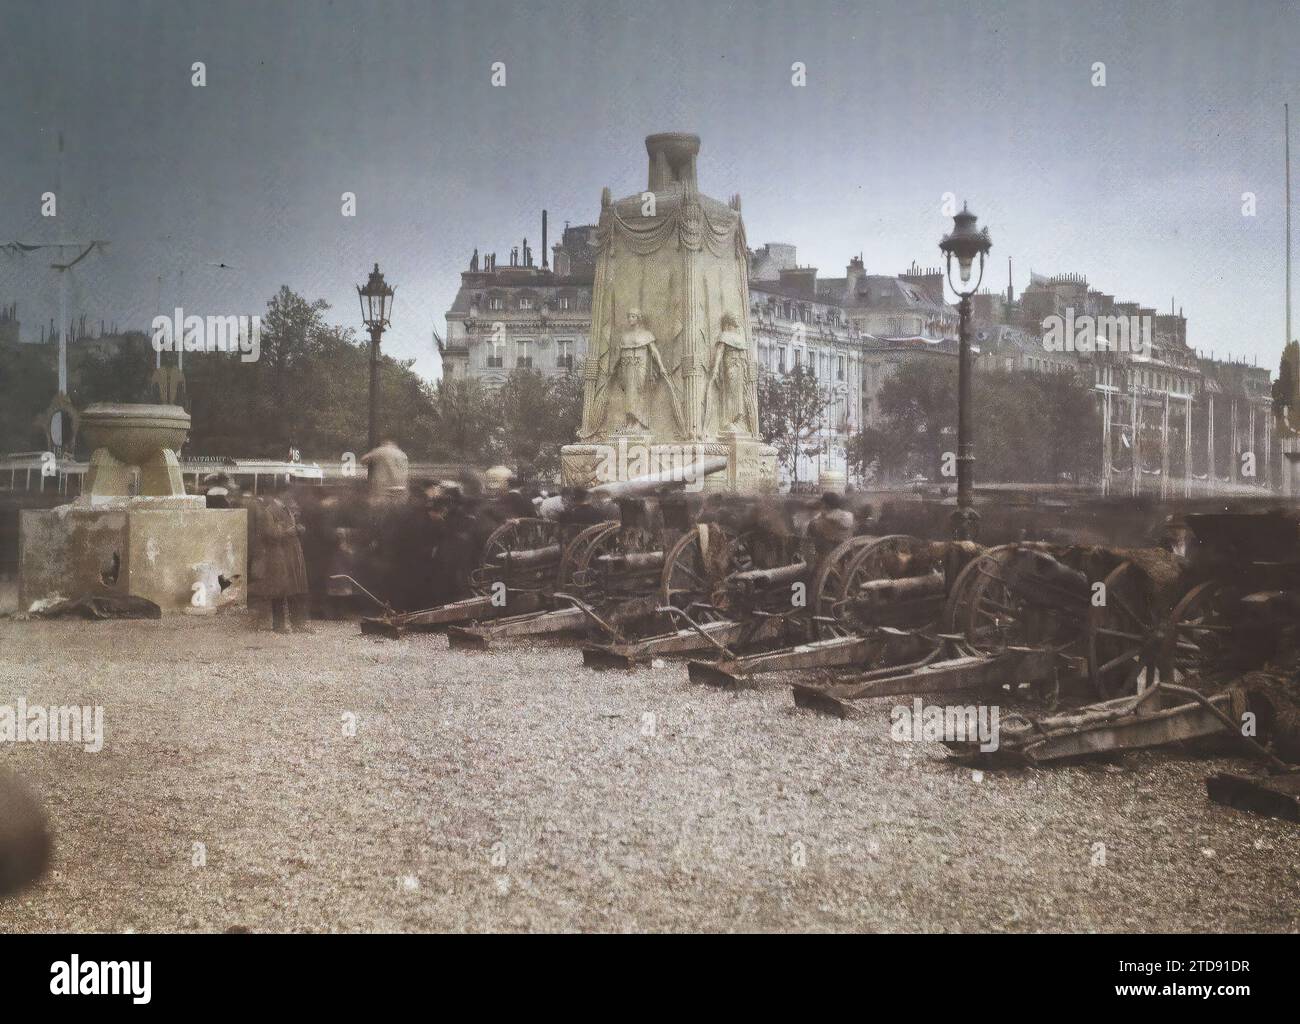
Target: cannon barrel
(1046, 579)
(791, 573)
(633, 560)
(881, 593)
(678, 476)
(528, 556)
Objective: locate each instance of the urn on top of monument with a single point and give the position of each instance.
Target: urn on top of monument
(672, 159)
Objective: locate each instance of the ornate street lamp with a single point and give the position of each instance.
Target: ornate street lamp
(376, 304)
(966, 244)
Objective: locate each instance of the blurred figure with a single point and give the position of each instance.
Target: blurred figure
(216, 490)
(551, 506)
(580, 510)
(24, 838)
(389, 470)
(832, 525)
(459, 543)
(277, 571)
(572, 506)
(497, 479)
(514, 503)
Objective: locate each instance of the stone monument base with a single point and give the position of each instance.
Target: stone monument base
(170, 550)
(751, 464)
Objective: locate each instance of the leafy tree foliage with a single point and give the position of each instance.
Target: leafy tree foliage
(1029, 427)
(28, 380)
(792, 410)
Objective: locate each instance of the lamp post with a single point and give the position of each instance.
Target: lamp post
(376, 304)
(965, 243)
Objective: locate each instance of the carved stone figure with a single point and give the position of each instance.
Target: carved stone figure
(730, 373)
(638, 360)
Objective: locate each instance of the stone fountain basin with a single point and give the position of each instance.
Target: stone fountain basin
(133, 433)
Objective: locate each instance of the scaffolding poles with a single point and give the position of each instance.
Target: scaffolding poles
(1209, 448)
(1137, 443)
(1107, 457)
(1164, 450)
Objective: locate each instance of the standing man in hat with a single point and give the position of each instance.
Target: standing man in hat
(277, 571)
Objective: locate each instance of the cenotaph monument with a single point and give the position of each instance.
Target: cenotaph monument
(671, 375)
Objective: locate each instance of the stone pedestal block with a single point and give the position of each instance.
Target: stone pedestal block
(171, 550)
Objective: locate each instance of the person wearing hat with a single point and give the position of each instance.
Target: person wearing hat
(216, 490)
(277, 571)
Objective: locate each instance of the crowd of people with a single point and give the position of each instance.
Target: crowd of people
(414, 543)
(410, 543)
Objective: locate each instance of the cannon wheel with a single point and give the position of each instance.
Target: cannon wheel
(576, 548)
(586, 572)
(1125, 636)
(759, 549)
(893, 557)
(1198, 633)
(970, 572)
(511, 536)
(828, 582)
(696, 564)
(992, 616)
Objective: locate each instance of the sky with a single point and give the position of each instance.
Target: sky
(1137, 184)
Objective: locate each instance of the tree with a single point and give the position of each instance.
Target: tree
(537, 415)
(791, 411)
(291, 333)
(28, 380)
(120, 375)
(308, 390)
(873, 447)
(919, 404)
(464, 419)
(1028, 427)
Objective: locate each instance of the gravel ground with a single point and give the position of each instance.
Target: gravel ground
(515, 790)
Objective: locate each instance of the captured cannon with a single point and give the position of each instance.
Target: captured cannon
(522, 566)
(1029, 614)
(1194, 653)
(771, 582)
(867, 597)
(609, 576)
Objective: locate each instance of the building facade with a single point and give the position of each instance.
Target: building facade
(850, 331)
(1173, 420)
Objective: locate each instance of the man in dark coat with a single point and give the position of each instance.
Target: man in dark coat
(277, 572)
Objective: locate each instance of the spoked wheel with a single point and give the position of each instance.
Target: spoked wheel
(896, 557)
(521, 553)
(576, 550)
(696, 564)
(969, 573)
(759, 549)
(827, 589)
(994, 614)
(1198, 636)
(595, 573)
(1125, 635)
